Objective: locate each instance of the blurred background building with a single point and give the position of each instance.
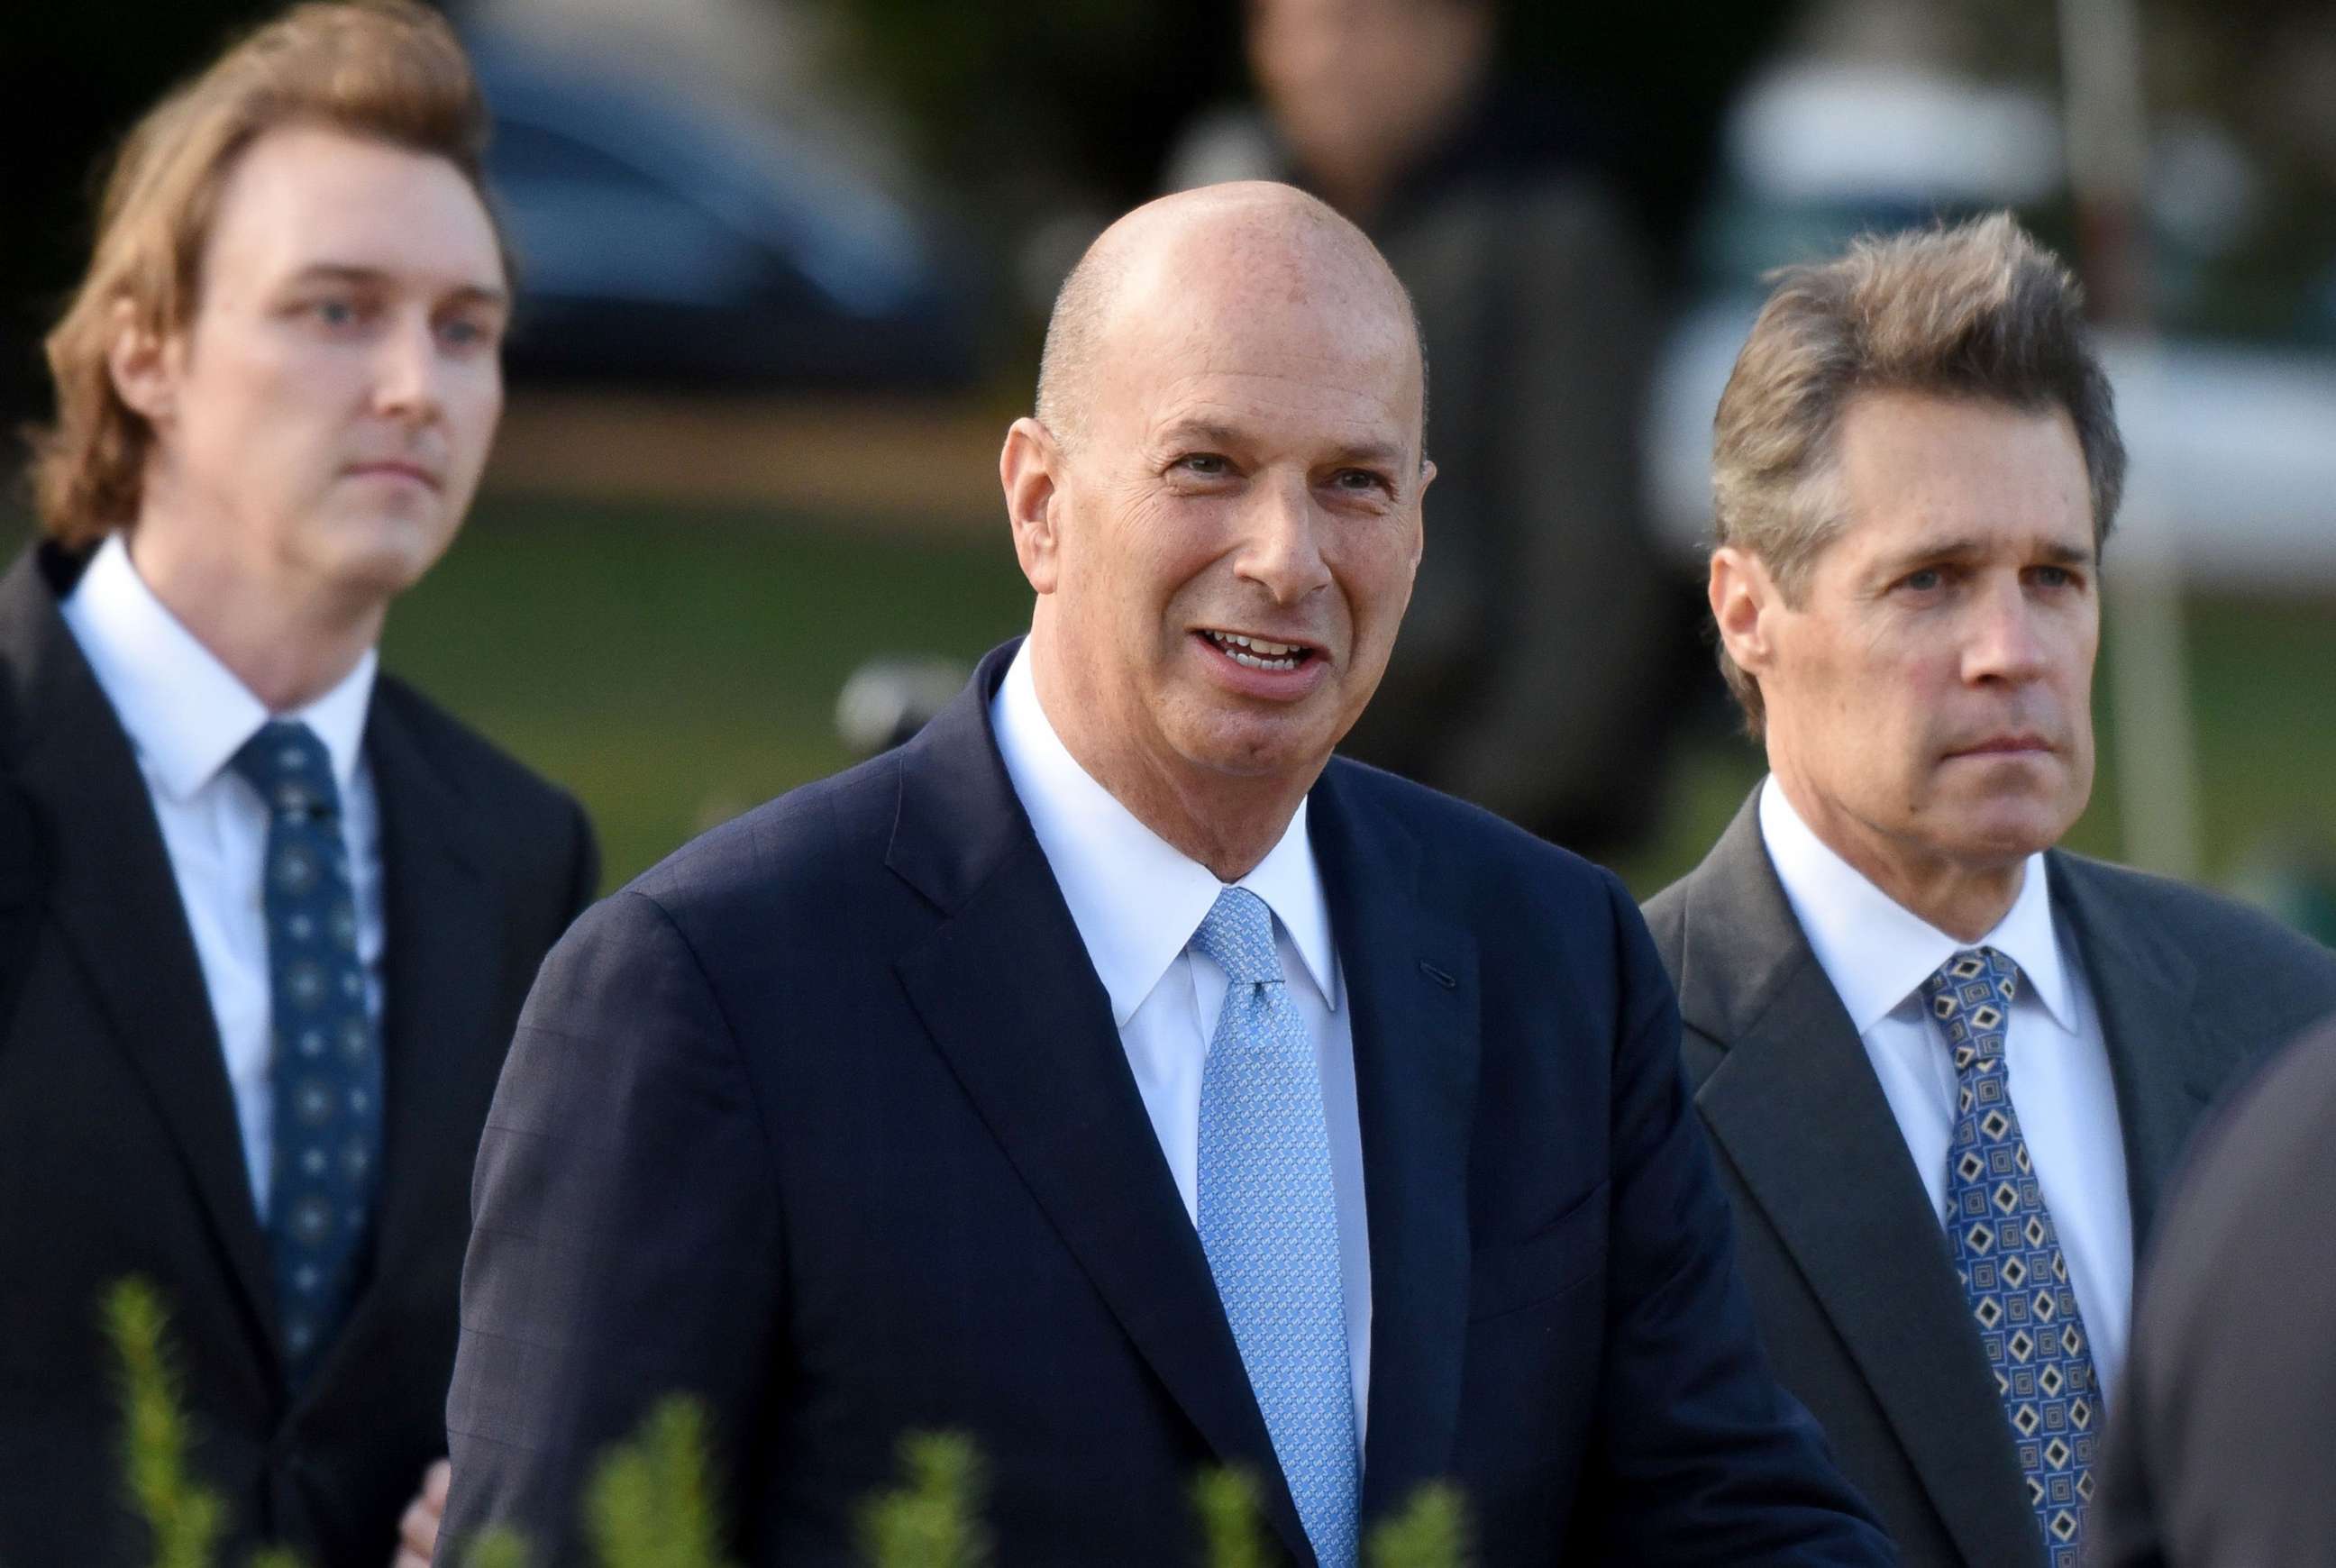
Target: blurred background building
(786, 261)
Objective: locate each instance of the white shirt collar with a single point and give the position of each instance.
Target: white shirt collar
(185, 711)
(1136, 898)
(1877, 952)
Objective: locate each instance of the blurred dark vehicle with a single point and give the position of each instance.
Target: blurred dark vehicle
(664, 243)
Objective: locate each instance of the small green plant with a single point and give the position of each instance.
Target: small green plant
(934, 1521)
(184, 1518)
(650, 1504)
(1432, 1532)
(1231, 1531)
(497, 1549)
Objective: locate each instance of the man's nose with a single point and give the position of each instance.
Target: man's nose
(2008, 639)
(407, 371)
(1282, 553)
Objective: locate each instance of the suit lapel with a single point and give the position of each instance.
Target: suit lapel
(1796, 1106)
(1004, 988)
(2167, 1063)
(1410, 981)
(112, 890)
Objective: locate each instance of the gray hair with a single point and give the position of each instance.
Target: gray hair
(1978, 310)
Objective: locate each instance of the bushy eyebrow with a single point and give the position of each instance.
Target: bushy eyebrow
(1958, 549)
(374, 278)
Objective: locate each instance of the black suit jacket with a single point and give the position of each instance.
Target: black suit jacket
(2220, 1456)
(826, 1122)
(119, 1147)
(1848, 1266)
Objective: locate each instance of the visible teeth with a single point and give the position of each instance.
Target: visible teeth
(1271, 655)
(1255, 663)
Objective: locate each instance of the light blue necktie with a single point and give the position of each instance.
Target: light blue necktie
(327, 1065)
(2010, 1260)
(1270, 1222)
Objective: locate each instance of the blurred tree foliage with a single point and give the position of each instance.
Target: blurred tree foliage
(1021, 112)
(1657, 79)
(1078, 101)
(72, 80)
(2260, 74)
(1025, 113)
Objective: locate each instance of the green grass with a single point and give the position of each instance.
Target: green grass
(674, 669)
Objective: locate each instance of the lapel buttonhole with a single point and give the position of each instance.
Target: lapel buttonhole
(1438, 976)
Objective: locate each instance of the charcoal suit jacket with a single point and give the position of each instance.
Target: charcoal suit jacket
(826, 1122)
(1848, 1265)
(119, 1151)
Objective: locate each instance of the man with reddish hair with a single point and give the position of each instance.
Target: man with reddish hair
(266, 916)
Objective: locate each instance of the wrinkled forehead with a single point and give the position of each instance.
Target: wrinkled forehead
(1919, 470)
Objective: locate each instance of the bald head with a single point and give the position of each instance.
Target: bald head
(1219, 507)
(1210, 246)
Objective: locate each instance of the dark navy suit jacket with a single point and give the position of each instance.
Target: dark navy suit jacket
(826, 1121)
(120, 1152)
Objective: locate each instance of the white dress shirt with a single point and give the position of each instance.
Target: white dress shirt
(1877, 954)
(187, 715)
(1136, 902)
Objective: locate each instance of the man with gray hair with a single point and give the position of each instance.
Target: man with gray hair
(1948, 1066)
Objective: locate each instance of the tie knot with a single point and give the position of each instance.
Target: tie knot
(290, 768)
(1237, 936)
(1970, 994)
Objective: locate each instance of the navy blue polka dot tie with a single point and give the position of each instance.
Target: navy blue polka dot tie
(327, 1071)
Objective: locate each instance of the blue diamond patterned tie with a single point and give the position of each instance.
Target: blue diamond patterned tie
(2009, 1256)
(326, 1063)
(1270, 1222)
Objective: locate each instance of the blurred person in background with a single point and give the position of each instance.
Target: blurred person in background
(1546, 657)
(2219, 1457)
(1949, 1066)
(270, 914)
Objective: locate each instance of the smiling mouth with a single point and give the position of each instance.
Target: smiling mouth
(1258, 652)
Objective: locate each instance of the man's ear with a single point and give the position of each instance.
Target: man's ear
(1744, 601)
(1419, 512)
(142, 364)
(1029, 469)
